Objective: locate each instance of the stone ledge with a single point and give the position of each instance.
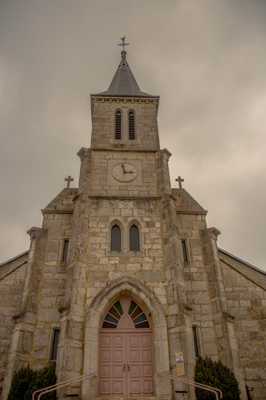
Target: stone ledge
(111, 197)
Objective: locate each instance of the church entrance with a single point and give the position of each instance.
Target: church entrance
(125, 351)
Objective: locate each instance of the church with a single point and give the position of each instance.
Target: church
(124, 275)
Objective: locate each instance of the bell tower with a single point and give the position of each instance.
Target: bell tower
(124, 117)
(124, 158)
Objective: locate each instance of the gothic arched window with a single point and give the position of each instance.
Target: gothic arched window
(134, 240)
(118, 124)
(115, 238)
(131, 125)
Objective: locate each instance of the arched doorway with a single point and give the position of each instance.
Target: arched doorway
(125, 360)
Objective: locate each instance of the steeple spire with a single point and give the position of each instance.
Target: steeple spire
(124, 82)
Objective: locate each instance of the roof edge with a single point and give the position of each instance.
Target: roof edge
(146, 96)
(9, 260)
(261, 271)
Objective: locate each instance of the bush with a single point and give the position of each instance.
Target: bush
(216, 374)
(25, 381)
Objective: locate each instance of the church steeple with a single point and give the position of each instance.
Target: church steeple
(124, 82)
(124, 117)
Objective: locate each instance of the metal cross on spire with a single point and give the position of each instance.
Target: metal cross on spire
(68, 180)
(179, 180)
(123, 43)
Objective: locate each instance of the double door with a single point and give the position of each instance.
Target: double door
(125, 363)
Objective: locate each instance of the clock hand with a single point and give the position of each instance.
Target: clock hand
(125, 171)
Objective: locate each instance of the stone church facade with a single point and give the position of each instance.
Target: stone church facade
(125, 273)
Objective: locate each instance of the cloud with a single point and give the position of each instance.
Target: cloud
(206, 60)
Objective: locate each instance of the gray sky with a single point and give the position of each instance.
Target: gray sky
(205, 58)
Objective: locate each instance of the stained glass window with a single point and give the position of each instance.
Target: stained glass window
(113, 316)
(139, 318)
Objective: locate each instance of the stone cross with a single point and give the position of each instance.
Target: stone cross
(179, 180)
(123, 44)
(68, 180)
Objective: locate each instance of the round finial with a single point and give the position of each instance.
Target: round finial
(123, 44)
(123, 54)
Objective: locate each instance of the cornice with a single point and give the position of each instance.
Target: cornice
(50, 211)
(110, 197)
(188, 212)
(121, 149)
(124, 99)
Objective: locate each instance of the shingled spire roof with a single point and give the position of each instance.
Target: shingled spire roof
(124, 82)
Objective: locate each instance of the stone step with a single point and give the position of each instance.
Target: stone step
(131, 397)
(112, 397)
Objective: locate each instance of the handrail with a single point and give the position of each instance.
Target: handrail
(200, 386)
(203, 386)
(54, 385)
(59, 385)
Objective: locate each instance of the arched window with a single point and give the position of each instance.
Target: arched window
(118, 124)
(121, 310)
(134, 242)
(115, 238)
(131, 125)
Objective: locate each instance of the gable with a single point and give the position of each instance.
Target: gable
(247, 270)
(186, 204)
(13, 264)
(63, 202)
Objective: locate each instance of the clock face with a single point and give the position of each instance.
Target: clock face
(124, 172)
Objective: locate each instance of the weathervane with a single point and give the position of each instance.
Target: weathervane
(123, 43)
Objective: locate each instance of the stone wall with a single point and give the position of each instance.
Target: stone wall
(12, 278)
(101, 264)
(103, 123)
(98, 173)
(247, 304)
(51, 287)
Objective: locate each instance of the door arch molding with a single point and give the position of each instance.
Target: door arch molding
(96, 311)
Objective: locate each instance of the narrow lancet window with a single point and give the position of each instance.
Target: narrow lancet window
(134, 242)
(196, 341)
(131, 125)
(185, 250)
(115, 238)
(65, 251)
(54, 344)
(118, 124)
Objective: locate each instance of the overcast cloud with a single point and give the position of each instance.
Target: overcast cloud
(205, 58)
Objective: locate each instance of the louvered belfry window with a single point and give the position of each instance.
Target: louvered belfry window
(118, 124)
(131, 125)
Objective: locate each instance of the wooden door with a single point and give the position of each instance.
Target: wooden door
(125, 366)
(112, 363)
(139, 360)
